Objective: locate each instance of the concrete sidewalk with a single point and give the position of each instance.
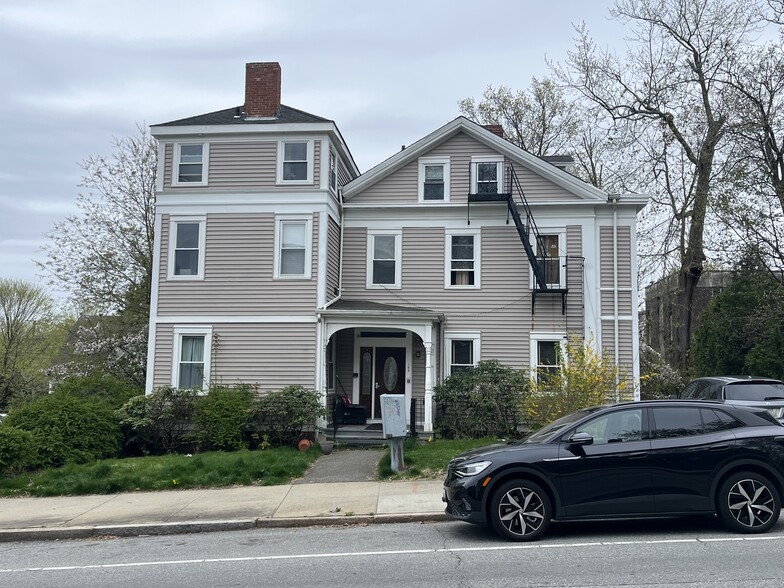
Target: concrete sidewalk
(187, 511)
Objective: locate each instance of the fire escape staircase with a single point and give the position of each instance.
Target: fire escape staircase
(546, 269)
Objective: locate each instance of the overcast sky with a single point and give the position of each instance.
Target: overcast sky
(76, 73)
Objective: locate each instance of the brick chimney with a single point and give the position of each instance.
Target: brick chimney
(496, 129)
(262, 89)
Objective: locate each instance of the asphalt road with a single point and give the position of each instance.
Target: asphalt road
(691, 553)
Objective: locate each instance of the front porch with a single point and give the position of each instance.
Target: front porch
(370, 349)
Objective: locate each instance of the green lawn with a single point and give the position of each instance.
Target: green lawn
(167, 472)
(428, 460)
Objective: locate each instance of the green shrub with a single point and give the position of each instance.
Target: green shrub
(223, 417)
(112, 390)
(68, 428)
(17, 450)
(481, 402)
(284, 415)
(159, 422)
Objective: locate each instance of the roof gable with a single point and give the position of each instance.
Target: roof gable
(461, 124)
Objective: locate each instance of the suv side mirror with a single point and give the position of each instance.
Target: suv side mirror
(581, 439)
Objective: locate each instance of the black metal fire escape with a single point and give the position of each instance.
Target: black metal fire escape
(546, 268)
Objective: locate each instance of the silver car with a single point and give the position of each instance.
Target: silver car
(739, 390)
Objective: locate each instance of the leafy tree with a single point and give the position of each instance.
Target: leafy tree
(670, 91)
(585, 377)
(742, 329)
(28, 338)
(103, 254)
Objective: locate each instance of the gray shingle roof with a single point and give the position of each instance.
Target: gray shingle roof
(236, 116)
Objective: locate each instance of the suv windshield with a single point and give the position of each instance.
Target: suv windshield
(754, 391)
(559, 424)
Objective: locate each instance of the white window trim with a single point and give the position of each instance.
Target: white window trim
(173, 222)
(423, 161)
(449, 336)
(497, 159)
(561, 232)
(332, 157)
(206, 331)
(205, 158)
(476, 234)
(533, 353)
(298, 218)
(311, 162)
(398, 260)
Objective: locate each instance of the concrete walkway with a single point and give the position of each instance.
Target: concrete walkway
(188, 511)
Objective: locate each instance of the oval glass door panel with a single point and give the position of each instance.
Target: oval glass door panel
(390, 373)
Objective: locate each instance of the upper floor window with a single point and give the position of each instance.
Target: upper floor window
(550, 251)
(487, 175)
(434, 179)
(186, 251)
(293, 247)
(190, 164)
(295, 162)
(333, 171)
(384, 253)
(462, 259)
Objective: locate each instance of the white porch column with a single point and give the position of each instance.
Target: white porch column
(428, 426)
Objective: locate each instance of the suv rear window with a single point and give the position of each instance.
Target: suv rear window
(754, 391)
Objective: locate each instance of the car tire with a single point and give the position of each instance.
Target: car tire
(748, 503)
(520, 510)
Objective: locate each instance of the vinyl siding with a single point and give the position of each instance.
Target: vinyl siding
(333, 258)
(500, 310)
(625, 340)
(271, 356)
(624, 257)
(401, 187)
(238, 272)
(343, 175)
(240, 165)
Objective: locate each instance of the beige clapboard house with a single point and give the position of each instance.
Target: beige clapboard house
(277, 263)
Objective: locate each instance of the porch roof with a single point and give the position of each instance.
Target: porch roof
(368, 308)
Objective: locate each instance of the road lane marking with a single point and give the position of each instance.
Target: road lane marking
(512, 547)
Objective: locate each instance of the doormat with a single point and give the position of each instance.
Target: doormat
(373, 427)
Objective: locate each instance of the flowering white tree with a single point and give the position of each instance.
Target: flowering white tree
(103, 254)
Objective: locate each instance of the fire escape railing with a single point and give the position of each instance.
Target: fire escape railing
(546, 268)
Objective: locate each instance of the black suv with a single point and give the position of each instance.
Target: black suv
(637, 459)
(741, 390)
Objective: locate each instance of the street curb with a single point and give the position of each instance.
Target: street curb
(153, 529)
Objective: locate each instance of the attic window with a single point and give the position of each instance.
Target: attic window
(190, 164)
(487, 175)
(434, 179)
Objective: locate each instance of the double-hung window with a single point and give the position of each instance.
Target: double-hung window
(190, 164)
(546, 355)
(293, 247)
(462, 351)
(434, 179)
(487, 175)
(295, 162)
(384, 259)
(549, 248)
(186, 255)
(191, 362)
(463, 257)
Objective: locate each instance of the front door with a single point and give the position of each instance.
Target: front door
(390, 374)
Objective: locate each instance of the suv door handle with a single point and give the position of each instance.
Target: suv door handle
(719, 447)
(636, 454)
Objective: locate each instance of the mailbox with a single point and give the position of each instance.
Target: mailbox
(393, 415)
